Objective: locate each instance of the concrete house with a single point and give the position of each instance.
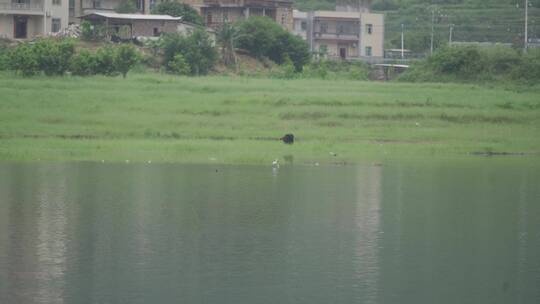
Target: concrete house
(83, 7)
(217, 12)
(127, 26)
(350, 32)
(23, 19)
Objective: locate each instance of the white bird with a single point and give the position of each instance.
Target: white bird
(275, 163)
(149, 161)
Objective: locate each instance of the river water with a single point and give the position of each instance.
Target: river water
(163, 233)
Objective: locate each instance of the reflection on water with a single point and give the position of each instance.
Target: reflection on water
(98, 233)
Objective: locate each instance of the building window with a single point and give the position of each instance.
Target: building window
(303, 25)
(368, 51)
(152, 4)
(209, 18)
(96, 4)
(57, 2)
(369, 28)
(324, 27)
(225, 16)
(56, 25)
(71, 4)
(156, 32)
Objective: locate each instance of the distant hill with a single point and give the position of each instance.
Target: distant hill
(473, 20)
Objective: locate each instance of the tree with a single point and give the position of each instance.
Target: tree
(178, 65)
(126, 7)
(262, 37)
(176, 9)
(226, 37)
(125, 58)
(197, 49)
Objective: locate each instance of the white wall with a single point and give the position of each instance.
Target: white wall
(376, 39)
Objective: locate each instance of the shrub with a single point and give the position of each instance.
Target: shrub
(105, 61)
(84, 63)
(264, 38)
(126, 7)
(4, 58)
(23, 60)
(197, 50)
(177, 9)
(125, 58)
(53, 56)
(179, 65)
(91, 32)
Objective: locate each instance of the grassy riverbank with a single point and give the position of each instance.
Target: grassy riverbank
(238, 120)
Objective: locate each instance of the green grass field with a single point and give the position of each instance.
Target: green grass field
(164, 118)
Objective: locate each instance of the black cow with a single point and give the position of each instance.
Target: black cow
(288, 139)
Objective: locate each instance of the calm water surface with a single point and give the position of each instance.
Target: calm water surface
(116, 233)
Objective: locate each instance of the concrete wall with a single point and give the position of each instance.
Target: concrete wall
(34, 26)
(376, 38)
(56, 11)
(146, 27)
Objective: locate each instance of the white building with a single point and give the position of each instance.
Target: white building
(22, 19)
(348, 33)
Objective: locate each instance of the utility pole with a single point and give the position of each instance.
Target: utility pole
(450, 36)
(525, 46)
(402, 43)
(432, 29)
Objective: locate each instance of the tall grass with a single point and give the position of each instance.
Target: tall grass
(239, 120)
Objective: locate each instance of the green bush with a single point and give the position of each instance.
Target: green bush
(262, 37)
(84, 63)
(529, 69)
(105, 63)
(332, 69)
(4, 58)
(197, 50)
(479, 64)
(176, 9)
(53, 55)
(126, 7)
(23, 60)
(178, 65)
(90, 32)
(125, 58)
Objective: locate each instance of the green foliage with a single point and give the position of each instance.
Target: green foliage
(226, 37)
(108, 61)
(4, 58)
(23, 60)
(53, 55)
(196, 48)
(177, 9)
(84, 63)
(49, 56)
(90, 32)
(264, 38)
(105, 61)
(178, 65)
(331, 69)
(479, 64)
(529, 69)
(126, 7)
(125, 57)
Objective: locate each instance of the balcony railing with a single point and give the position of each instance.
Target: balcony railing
(28, 7)
(248, 3)
(334, 35)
